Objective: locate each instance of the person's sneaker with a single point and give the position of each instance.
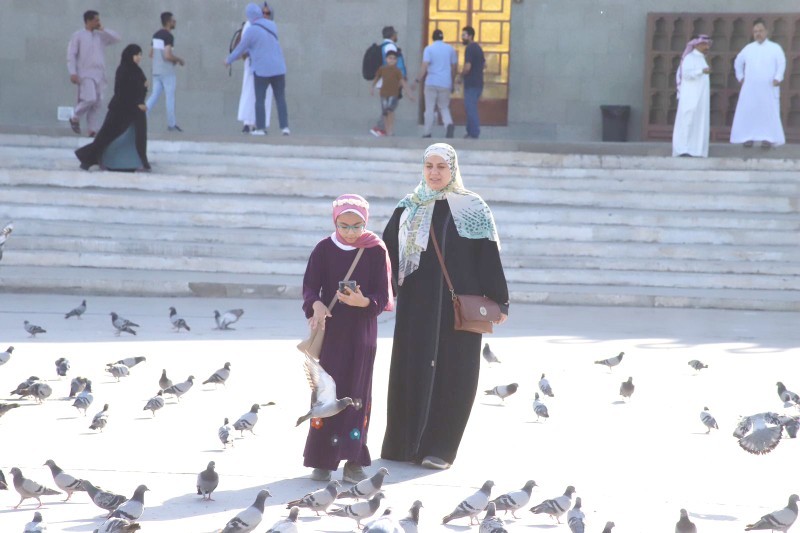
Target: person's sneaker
(175, 128)
(75, 124)
(450, 130)
(320, 474)
(376, 132)
(353, 473)
(258, 132)
(285, 131)
(426, 136)
(85, 166)
(435, 463)
(246, 129)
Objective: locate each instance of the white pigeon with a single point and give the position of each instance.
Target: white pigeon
(492, 523)
(27, 488)
(544, 386)
(5, 357)
(410, 524)
(515, 500)
(684, 525)
(177, 322)
(611, 361)
(489, 355)
(575, 518)
(539, 408)
(85, 398)
(318, 500)
(759, 434)
(155, 403)
(227, 318)
(77, 311)
(324, 402)
(122, 325)
(133, 508)
(472, 505)
(248, 519)
(33, 329)
(118, 371)
(64, 481)
(179, 389)
(36, 525)
(224, 434)
(286, 525)
(220, 376)
(502, 391)
(117, 525)
(708, 421)
(366, 488)
(361, 510)
(780, 520)
(100, 420)
(557, 506)
(386, 523)
(787, 397)
(4, 234)
(247, 421)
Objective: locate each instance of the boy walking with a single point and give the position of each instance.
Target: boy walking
(390, 88)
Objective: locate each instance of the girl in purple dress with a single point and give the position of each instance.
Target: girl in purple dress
(351, 334)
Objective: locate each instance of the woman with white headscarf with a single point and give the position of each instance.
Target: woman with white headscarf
(434, 368)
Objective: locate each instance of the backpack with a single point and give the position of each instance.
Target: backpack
(373, 59)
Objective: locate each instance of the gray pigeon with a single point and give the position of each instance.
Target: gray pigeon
(6, 407)
(33, 329)
(179, 389)
(489, 355)
(626, 389)
(611, 361)
(85, 398)
(324, 402)
(207, 481)
(132, 509)
(410, 523)
(78, 311)
(3, 482)
(684, 525)
(5, 357)
(117, 525)
(515, 500)
(790, 424)
(780, 520)
(472, 505)
(130, 362)
(77, 385)
(220, 376)
(575, 517)
(4, 234)
(100, 420)
(366, 489)
(122, 325)
(544, 386)
(609, 527)
(248, 519)
(557, 506)
(502, 391)
(155, 403)
(759, 434)
(247, 421)
(62, 366)
(224, 434)
(164, 382)
(708, 421)
(27, 488)
(225, 320)
(286, 525)
(177, 322)
(386, 523)
(492, 523)
(36, 525)
(39, 390)
(118, 371)
(787, 397)
(23, 386)
(318, 500)
(361, 510)
(697, 365)
(64, 481)
(539, 408)
(103, 498)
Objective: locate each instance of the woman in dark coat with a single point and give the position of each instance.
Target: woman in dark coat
(434, 370)
(125, 109)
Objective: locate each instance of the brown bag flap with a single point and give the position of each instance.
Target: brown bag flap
(478, 308)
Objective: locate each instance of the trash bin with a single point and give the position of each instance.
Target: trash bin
(615, 122)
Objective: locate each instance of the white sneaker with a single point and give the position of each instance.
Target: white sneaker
(285, 131)
(258, 132)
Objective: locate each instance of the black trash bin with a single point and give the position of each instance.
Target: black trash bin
(615, 122)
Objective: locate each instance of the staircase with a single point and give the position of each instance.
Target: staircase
(239, 219)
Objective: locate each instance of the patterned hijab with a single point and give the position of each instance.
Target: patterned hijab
(471, 215)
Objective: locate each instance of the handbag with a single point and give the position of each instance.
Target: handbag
(312, 345)
(472, 312)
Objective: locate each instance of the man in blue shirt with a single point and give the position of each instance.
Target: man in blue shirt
(439, 63)
(260, 41)
(472, 77)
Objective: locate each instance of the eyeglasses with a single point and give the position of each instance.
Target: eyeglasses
(344, 228)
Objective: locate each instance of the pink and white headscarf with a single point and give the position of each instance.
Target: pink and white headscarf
(686, 51)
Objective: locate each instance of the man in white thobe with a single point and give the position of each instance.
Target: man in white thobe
(692, 121)
(759, 68)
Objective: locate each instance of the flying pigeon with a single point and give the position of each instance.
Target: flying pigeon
(575, 517)
(780, 520)
(27, 488)
(103, 498)
(472, 505)
(118, 525)
(286, 525)
(626, 389)
(366, 489)
(684, 525)
(6, 356)
(225, 320)
(323, 393)
(539, 408)
(62, 366)
(611, 361)
(23, 386)
(224, 434)
(100, 420)
(179, 389)
(220, 376)
(33, 329)
(759, 434)
(77, 385)
(787, 397)
(492, 523)
(557, 506)
(502, 391)
(361, 510)
(318, 500)
(544, 386)
(85, 398)
(155, 403)
(122, 325)
(207, 481)
(64, 481)
(39, 390)
(36, 525)
(164, 382)
(386, 523)
(118, 371)
(708, 421)
(489, 355)
(515, 500)
(6, 407)
(4, 234)
(247, 421)
(697, 365)
(411, 522)
(78, 311)
(609, 527)
(130, 362)
(133, 508)
(177, 321)
(247, 520)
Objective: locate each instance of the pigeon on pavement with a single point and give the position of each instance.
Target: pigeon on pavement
(318, 500)
(515, 500)
(64, 481)
(708, 421)
(787, 397)
(6, 407)
(557, 506)
(627, 388)
(780, 520)
(77, 385)
(155, 403)
(100, 420)
(286, 525)
(759, 434)
(78, 311)
(539, 408)
(39, 390)
(684, 525)
(179, 389)
(62, 366)
(130, 362)
(85, 398)
(23, 386)
(544, 386)
(27, 488)
(4, 234)
(122, 325)
(220, 376)
(502, 391)
(224, 434)
(411, 522)
(472, 505)
(609, 527)
(492, 523)
(575, 517)
(697, 365)
(36, 525)
(247, 421)
(6, 356)
(118, 525)
(132, 509)
(790, 424)
(177, 321)
(386, 523)
(489, 355)
(103, 498)
(324, 402)
(366, 489)
(164, 382)
(248, 519)
(361, 510)
(118, 371)
(611, 361)
(3, 482)
(33, 329)
(207, 481)
(225, 320)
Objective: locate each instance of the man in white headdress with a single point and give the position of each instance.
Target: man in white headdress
(759, 68)
(692, 121)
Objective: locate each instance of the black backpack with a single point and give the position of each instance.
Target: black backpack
(373, 59)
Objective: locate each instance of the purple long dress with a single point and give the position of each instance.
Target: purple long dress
(348, 351)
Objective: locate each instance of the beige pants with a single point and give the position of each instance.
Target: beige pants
(436, 97)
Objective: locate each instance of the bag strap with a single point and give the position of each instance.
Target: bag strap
(347, 276)
(441, 262)
(266, 30)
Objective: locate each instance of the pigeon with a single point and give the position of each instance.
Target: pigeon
(27, 488)
(697, 365)
(609, 527)
(33, 329)
(207, 481)
(790, 424)
(759, 434)
(225, 320)
(224, 434)
(64, 481)
(118, 371)
(22, 387)
(78, 311)
(515, 500)
(366, 489)
(133, 508)
(4, 234)
(164, 382)
(626, 389)
(411, 522)
(539, 408)
(179, 389)
(361, 510)
(155, 403)
(684, 525)
(502, 391)
(3, 482)
(286, 525)
(472, 505)
(130, 362)
(780, 520)
(787, 397)
(323, 393)
(103, 498)
(557, 506)
(36, 525)
(611, 361)
(544, 386)
(85, 398)
(247, 421)
(385, 524)
(122, 325)
(6, 407)
(575, 517)
(247, 520)
(708, 421)
(220, 376)
(492, 523)
(77, 385)
(117, 525)
(5, 357)
(489, 355)
(318, 500)
(177, 321)
(62, 366)
(100, 420)
(39, 390)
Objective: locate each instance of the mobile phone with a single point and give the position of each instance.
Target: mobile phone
(351, 284)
